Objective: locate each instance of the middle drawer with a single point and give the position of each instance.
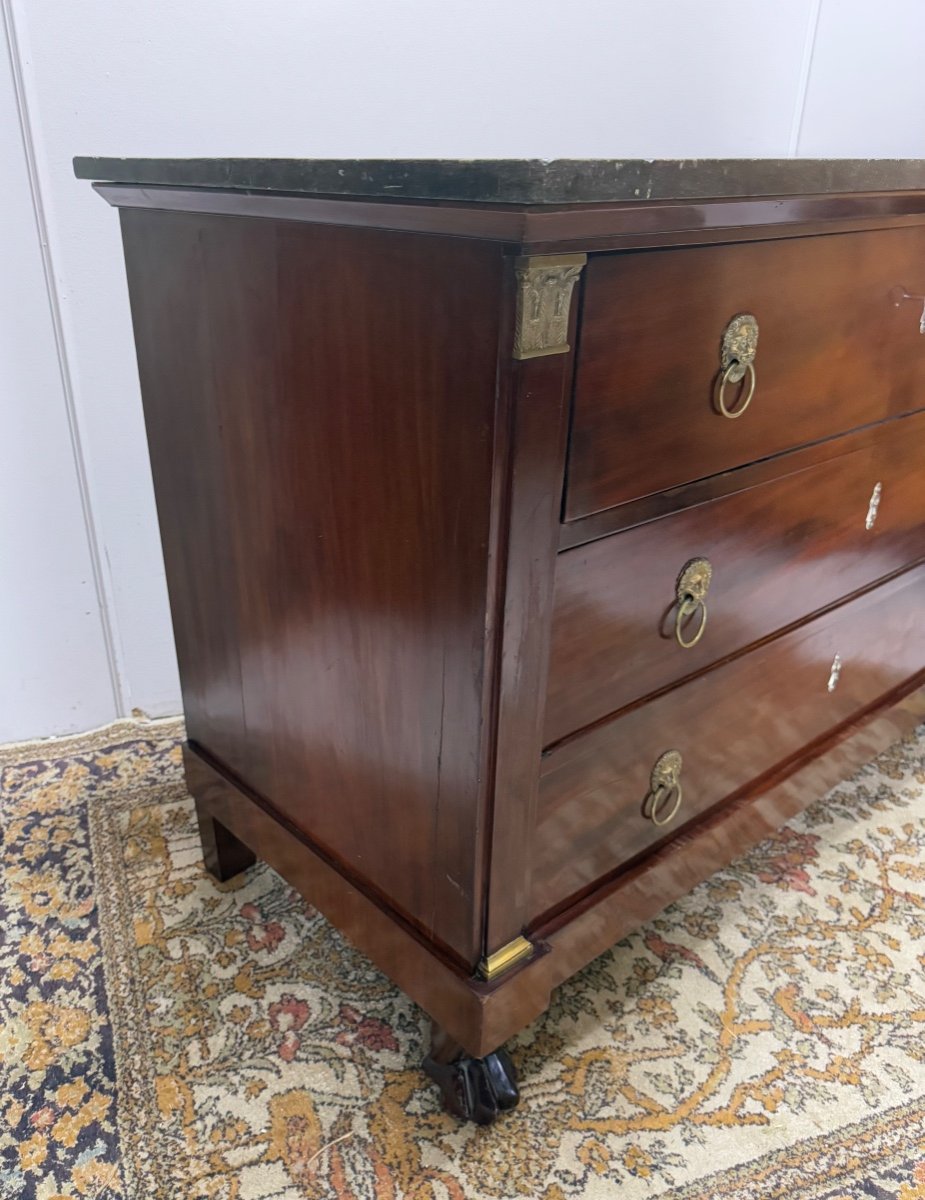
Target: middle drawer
(776, 554)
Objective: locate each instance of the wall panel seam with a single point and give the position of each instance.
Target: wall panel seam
(806, 66)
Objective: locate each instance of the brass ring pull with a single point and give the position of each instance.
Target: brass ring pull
(687, 608)
(727, 375)
(665, 791)
(737, 359)
(691, 592)
(655, 807)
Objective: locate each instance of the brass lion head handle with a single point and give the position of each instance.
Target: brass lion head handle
(737, 359)
(663, 798)
(691, 592)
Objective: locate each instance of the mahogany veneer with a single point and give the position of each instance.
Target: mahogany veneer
(780, 550)
(425, 503)
(836, 351)
(732, 725)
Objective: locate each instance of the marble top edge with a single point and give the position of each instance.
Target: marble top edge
(518, 181)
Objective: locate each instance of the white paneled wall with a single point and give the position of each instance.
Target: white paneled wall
(54, 669)
(866, 87)
(84, 628)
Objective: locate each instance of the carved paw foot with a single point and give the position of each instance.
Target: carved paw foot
(476, 1089)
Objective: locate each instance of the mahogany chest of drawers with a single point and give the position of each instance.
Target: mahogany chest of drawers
(538, 536)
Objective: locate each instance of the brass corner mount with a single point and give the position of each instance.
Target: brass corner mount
(508, 956)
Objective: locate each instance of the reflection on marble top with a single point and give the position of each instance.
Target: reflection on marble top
(519, 181)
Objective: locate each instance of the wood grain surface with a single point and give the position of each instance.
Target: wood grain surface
(779, 551)
(322, 440)
(731, 725)
(835, 352)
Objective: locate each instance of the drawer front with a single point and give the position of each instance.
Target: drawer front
(731, 726)
(835, 351)
(778, 553)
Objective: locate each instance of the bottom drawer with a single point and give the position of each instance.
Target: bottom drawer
(730, 727)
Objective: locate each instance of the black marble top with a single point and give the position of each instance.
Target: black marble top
(519, 181)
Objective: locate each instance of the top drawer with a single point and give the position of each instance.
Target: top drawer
(837, 349)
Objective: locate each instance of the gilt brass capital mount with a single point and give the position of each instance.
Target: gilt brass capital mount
(545, 283)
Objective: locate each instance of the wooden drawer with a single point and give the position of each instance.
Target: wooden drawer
(779, 552)
(731, 725)
(835, 352)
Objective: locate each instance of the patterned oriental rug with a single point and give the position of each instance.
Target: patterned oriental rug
(165, 1037)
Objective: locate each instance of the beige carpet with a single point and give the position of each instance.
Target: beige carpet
(162, 1036)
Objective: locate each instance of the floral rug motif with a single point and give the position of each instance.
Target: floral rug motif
(163, 1037)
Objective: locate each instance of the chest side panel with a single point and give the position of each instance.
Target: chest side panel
(345, 399)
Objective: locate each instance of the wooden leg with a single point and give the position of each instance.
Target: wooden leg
(222, 853)
(475, 1089)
